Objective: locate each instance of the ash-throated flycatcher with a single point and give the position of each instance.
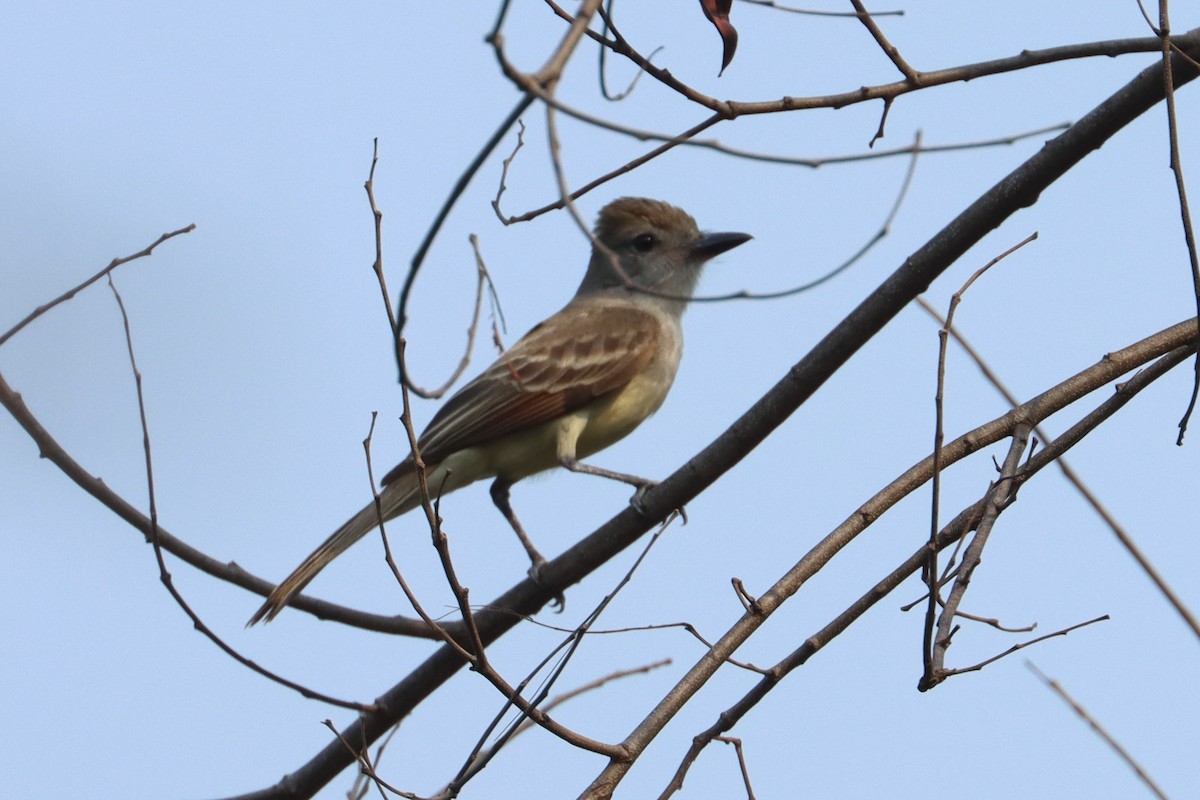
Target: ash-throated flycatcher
(576, 383)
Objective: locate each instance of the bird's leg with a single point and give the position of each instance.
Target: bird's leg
(643, 484)
(569, 430)
(575, 465)
(499, 492)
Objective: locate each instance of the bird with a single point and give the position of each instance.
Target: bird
(578, 382)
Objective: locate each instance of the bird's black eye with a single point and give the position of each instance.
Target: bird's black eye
(644, 242)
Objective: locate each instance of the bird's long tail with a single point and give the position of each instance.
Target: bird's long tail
(396, 498)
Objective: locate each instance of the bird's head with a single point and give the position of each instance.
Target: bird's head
(656, 245)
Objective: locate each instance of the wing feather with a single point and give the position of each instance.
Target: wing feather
(576, 356)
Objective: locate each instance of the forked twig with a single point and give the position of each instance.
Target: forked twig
(1069, 473)
(933, 649)
(67, 295)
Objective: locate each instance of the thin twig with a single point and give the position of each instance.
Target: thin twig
(1121, 752)
(603, 56)
(393, 324)
(164, 575)
(686, 626)
(456, 192)
(364, 782)
(1021, 646)
(377, 219)
(364, 762)
(502, 186)
(474, 654)
(67, 295)
(387, 547)
(819, 13)
(889, 49)
(995, 623)
(1185, 214)
(1131, 547)
(882, 233)
(741, 757)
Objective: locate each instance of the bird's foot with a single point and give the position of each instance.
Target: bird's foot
(639, 496)
(536, 570)
(639, 505)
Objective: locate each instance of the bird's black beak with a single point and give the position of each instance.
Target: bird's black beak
(713, 244)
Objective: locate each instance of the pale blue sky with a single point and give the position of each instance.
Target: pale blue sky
(264, 349)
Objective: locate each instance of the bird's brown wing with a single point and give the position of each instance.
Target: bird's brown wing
(579, 354)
